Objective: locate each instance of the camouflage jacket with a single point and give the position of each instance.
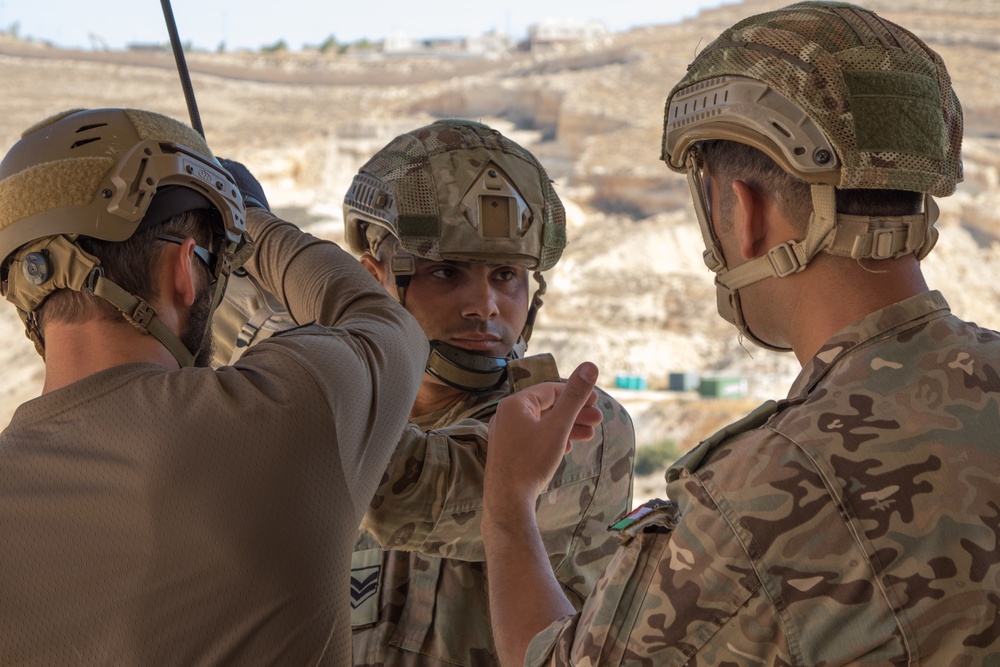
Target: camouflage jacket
(857, 521)
(424, 602)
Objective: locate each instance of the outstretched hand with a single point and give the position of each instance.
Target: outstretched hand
(532, 431)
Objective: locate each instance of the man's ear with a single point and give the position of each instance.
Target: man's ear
(750, 220)
(181, 261)
(374, 267)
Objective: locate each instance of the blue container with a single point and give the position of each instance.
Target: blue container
(629, 381)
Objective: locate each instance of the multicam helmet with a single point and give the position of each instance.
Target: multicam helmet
(841, 99)
(104, 174)
(458, 190)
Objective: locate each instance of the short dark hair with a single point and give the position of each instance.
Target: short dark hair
(387, 248)
(130, 264)
(730, 160)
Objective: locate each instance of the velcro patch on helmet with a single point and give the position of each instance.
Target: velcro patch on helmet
(30, 191)
(554, 236)
(418, 226)
(893, 111)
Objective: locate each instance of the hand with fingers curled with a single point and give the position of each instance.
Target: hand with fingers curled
(533, 429)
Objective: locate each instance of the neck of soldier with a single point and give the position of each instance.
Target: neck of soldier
(433, 396)
(77, 350)
(833, 292)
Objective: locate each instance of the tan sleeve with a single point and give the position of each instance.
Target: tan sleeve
(368, 366)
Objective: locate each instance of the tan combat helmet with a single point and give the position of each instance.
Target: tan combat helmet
(458, 190)
(104, 174)
(841, 99)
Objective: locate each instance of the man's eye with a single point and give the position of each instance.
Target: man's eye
(506, 274)
(443, 273)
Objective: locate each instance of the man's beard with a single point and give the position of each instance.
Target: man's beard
(197, 335)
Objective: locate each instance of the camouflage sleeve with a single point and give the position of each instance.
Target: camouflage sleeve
(592, 506)
(430, 498)
(680, 579)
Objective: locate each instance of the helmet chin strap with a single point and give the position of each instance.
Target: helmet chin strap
(469, 371)
(855, 236)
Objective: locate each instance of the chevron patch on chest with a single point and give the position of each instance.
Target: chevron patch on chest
(364, 584)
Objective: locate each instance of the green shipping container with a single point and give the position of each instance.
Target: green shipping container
(724, 387)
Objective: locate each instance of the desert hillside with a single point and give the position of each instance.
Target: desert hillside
(631, 292)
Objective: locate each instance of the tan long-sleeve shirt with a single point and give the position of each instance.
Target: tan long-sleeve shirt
(203, 517)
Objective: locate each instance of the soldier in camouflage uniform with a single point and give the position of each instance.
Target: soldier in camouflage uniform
(451, 218)
(857, 521)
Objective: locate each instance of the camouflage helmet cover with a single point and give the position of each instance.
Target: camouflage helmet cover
(457, 190)
(878, 95)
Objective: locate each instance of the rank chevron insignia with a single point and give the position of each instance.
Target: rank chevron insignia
(364, 584)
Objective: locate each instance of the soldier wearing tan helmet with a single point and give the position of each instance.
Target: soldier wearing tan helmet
(154, 510)
(451, 219)
(855, 521)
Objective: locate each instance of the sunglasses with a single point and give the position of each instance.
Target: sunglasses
(701, 193)
(207, 257)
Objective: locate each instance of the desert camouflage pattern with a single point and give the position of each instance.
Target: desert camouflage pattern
(424, 602)
(880, 95)
(855, 522)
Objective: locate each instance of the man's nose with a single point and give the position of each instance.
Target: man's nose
(479, 299)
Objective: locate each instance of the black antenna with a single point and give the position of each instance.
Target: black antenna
(182, 68)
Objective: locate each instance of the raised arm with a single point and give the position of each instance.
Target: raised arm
(528, 438)
(431, 497)
(365, 358)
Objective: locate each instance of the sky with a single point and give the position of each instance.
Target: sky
(237, 24)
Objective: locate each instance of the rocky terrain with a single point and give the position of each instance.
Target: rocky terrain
(631, 292)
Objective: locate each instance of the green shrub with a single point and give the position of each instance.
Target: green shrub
(278, 47)
(655, 457)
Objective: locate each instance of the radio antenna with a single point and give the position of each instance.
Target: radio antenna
(182, 68)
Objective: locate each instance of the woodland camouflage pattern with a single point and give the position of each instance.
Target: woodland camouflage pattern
(881, 96)
(431, 607)
(857, 521)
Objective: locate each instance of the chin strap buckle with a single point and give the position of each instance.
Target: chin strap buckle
(784, 259)
(713, 259)
(142, 315)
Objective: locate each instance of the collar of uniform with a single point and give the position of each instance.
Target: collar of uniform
(876, 326)
(468, 405)
(691, 461)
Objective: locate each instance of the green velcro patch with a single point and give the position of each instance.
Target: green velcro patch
(422, 226)
(897, 112)
(554, 236)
